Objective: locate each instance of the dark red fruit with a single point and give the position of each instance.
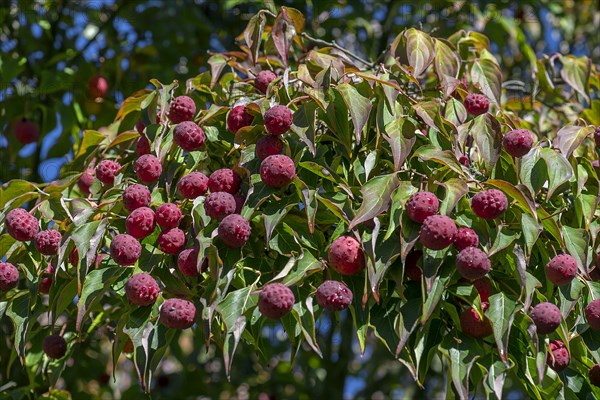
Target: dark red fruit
(561, 269)
(594, 375)
(107, 170)
(142, 146)
(171, 241)
(422, 205)
(437, 232)
(177, 313)
(464, 160)
(46, 279)
(168, 215)
(557, 357)
(517, 142)
(269, 145)
(193, 185)
(141, 222)
(472, 263)
(476, 104)
(47, 242)
(278, 120)
(55, 346)
(189, 136)
(234, 231)
(140, 126)
(546, 317)
(224, 180)
(238, 118)
(263, 79)
(275, 300)
(334, 296)
(187, 262)
(346, 256)
(473, 325)
(489, 204)
(97, 87)
(9, 276)
(592, 314)
(277, 171)
(218, 205)
(465, 237)
(148, 168)
(21, 225)
(142, 289)
(86, 180)
(484, 288)
(125, 249)
(411, 267)
(136, 196)
(182, 109)
(26, 131)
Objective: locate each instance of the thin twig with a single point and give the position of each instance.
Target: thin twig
(336, 46)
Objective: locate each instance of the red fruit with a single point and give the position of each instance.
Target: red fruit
(437, 232)
(193, 185)
(464, 160)
(142, 289)
(484, 288)
(411, 268)
(125, 249)
(234, 231)
(546, 317)
(55, 346)
(238, 118)
(136, 196)
(47, 242)
(592, 314)
(86, 180)
(346, 256)
(594, 375)
(472, 263)
(489, 204)
(334, 296)
(239, 202)
(148, 168)
(278, 120)
(517, 142)
(107, 170)
(472, 324)
(182, 109)
(476, 104)
(422, 205)
(187, 262)
(189, 136)
(218, 205)
(21, 225)
(277, 171)
(561, 269)
(597, 136)
(97, 87)
(268, 146)
(9, 276)
(168, 215)
(26, 131)
(171, 241)
(46, 279)
(177, 313)
(275, 300)
(465, 237)
(263, 79)
(557, 357)
(143, 146)
(224, 180)
(140, 126)
(98, 259)
(141, 222)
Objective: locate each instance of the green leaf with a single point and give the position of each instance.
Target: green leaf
(445, 157)
(576, 72)
(569, 137)
(487, 75)
(559, 170)
(253, 34)
(502, 313)
(487, 134)
(376, 196)
(359, 107)
(419, 50)
(18, 310)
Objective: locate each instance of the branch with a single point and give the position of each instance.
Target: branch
(336, 46)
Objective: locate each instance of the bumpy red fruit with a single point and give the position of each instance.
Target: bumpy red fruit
(437, 232)
(26, 131)
(142, 146)
(275, 300)
(141, 222)
(465, 237)
(557, 357)
(98, 86)
(218, 205)
(55, 346)
(269, 145)
(464, 160)
(171, 241)
(224, 180)
(263, 79)
(136, 196)
(277, 171)
(177, 313)
(472, 263)
(489, 204)
(107, 170)
(21, 225)
(234, 231)
(561, 269)
(47, 242)
(142, 289)
(422, 205)
(334, 296)
(168, 215)
(182, 109)
(411, 267)
(594, 375)
(125, 249)
(278, 120)
(189, 136)
(238, 118)
(187, 262)
(517, 142)
(473, 325)
(546, 317)
(9, 276)
(346, 256)
(86, 180)
(592, 314)
(193, 185)
(46, 279)
(476, 104)
(148, 168)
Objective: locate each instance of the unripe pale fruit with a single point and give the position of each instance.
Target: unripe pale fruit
(136, 196)
(561, 269)
(224, 180)
(473, 325)
(422, 205)
(9, 276)
(86, 180)
(263, 79)
(142, 289)
(278, 120)
(26, 131)
(334, 296)
(238, 118)
(269, 145)
(177, 313)
(437, 232)
(55, 346)
(171, 241)
(218, 205)
(46, 279)
(21, 225)
(189, 136)
(148, 168)
(141, 222)
(517, 142)
(472, 263)
(476, 104)
(98, 87)
(346, 256)
(182, 109)
(594, 375)
(193, 185)
(489, 204)
(592, 314)
(277, 171)
(107, 170)
(168, 215)
(557, 357)
(47, 242)
(234, 231)
(411, 267)
(125, 249)
(546, 317)
(187, 262)
(465, 237)
(142, 146)
(275, 300)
